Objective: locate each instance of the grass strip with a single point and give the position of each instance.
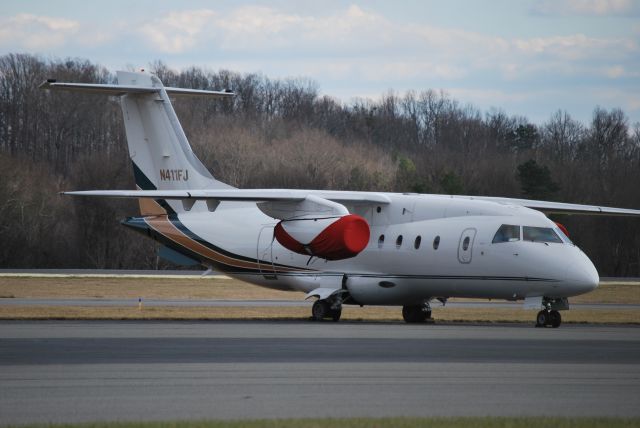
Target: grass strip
(132, 288)
(213, 287)
(231, 289)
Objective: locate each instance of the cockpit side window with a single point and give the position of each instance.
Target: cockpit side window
(507, 233)
(564, 236)
(540, 234)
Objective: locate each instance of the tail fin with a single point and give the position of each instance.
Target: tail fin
(161, 155)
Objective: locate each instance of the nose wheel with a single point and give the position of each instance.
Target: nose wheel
(548, 318)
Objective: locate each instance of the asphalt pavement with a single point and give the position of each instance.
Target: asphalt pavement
(71, 371)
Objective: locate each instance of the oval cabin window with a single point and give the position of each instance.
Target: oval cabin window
(465, 243)
(436, 242)
(416, 243)
(380, 241)
(399, 241)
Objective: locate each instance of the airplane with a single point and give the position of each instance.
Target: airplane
(340, 247)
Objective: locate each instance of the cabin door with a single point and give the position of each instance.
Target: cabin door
(264, 252)
(465, 246)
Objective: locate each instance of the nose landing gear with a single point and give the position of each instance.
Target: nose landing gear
(549, 315)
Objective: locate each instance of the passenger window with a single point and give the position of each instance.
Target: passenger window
(399, 241)
(507, 233)
(380, 241)
(436, 243)
(417, 242)
(540, 234)
(465, 243)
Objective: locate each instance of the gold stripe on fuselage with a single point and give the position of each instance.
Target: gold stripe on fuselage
(165, 227)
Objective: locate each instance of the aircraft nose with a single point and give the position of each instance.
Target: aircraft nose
(582, 275)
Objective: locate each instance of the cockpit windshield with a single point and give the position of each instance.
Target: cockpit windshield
(507, 233)
(540, 234)
(511, 233)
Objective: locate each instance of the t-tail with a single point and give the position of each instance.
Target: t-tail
(160, 152)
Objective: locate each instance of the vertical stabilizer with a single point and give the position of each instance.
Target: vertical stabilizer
(161, 155)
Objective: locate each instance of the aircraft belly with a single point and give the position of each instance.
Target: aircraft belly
(384, 290)
(261, 281)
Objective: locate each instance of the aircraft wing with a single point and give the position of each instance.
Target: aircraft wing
(280, 204)
(560, 207)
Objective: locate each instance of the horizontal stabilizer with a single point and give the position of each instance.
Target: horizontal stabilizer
(118, 90)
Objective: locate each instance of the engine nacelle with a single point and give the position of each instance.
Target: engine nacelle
(326, 238)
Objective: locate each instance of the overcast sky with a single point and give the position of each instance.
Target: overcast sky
(526, 57)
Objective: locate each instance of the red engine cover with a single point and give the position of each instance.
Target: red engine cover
(342, 239)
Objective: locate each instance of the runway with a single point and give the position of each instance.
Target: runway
(89, 371)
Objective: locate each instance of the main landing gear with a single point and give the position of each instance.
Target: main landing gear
(416, 313)
(325, 309)
(550, 318)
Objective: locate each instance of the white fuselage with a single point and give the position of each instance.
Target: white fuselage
(402, 263)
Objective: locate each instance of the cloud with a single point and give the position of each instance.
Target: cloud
(618, 71)
(411, 70)
(350, 41)
(177, 32)
(584, 7)
(573, 47)
(492, 96)
(359, 41)
(615, 71)
(360, 48)
(609, 97)
(36, 32)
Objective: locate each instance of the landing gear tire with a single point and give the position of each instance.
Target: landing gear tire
(555, 319)
(542, 319)
(415, 313)
(548, 318)
(320, 310)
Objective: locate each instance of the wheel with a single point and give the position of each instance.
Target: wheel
(320, 310)
(555, 319)
(408, 314)
(542, 319)
(415, 314)
(335, 314)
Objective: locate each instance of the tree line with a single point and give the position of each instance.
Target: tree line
(283, 133)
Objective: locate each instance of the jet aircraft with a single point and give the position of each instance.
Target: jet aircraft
(340, 247)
